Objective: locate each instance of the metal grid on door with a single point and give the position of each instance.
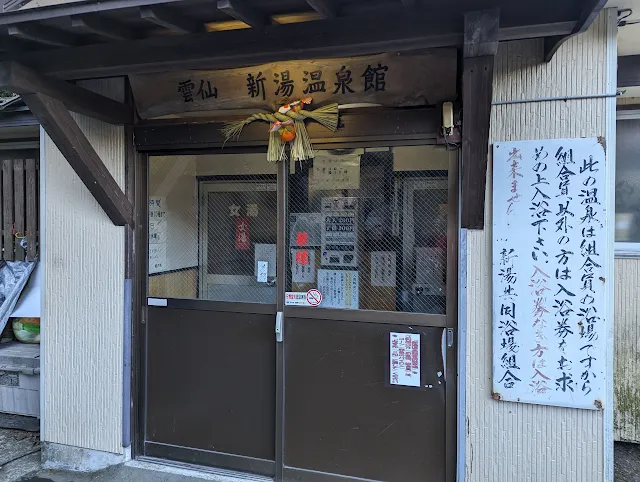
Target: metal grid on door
(368, 230)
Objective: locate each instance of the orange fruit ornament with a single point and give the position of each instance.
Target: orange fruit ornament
(287, 133)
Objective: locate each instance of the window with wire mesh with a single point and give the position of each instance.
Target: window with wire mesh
(213, 228)
(368, 230)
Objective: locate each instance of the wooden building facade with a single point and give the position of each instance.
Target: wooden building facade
(218, 258)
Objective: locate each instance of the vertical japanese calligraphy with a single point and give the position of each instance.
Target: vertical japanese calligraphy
(548, 272)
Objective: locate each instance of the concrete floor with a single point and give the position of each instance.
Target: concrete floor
(136, 471)
(19, 454)
(20, 462)
(627, 462)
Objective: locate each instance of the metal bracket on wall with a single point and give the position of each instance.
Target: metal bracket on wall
(280, 327)
(449, 337)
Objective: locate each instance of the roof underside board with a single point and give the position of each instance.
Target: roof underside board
(44, 36)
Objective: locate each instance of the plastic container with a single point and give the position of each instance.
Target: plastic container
(27, 330)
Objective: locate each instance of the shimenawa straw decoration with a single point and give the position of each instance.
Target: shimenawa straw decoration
(287, 125)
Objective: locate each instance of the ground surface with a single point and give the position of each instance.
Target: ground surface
(19, 454)
(20, 461)
(627, 462)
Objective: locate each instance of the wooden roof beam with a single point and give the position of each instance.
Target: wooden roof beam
(24, 81)
(170, 20)
(103, 27)
(243, 12)
(324, 7)
(43, 35)
(56, 120)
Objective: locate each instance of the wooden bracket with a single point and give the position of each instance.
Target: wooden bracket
(590, 11)
(22, 80)
(481, 33)
(56, 120)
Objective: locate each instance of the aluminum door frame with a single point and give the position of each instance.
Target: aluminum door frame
(448, 322)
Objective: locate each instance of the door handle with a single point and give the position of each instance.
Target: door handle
(280, 327)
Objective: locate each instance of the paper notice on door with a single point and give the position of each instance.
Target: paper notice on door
(157, 258)
(339, 231)
(339, 289)
(265, 253)
(157, 220)
(263, 268)
(331, 172)
(404, 359)
(303, 265)
(383, 268)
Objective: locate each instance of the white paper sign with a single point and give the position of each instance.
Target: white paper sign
(339, 289)
(335, 172)
(157, 220)
(263, 268)
(265, 253)
(305, 229)
(549, 239)
(157, 258)
(340, 231)
(383, 268)
(293, 298)
(303, 265)
(404, 362)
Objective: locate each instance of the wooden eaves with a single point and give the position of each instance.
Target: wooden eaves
(50, 101)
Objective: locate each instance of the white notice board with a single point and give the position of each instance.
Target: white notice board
(549, 241)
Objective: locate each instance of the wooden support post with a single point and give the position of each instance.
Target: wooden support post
(32, 208)
(56, 120)
(22, 80)
(7, 209)
(480, 46)
(18, 208)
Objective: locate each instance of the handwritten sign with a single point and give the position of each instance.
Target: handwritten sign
(157, 234)
(404, 362)
(549, 229)
(390, 80)
(335, 172)
(383, 268)
(303, 265)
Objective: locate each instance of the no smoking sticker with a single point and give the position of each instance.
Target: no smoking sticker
(314, 297)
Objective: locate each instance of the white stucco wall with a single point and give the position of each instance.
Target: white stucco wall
(505, 441)
(83, 260)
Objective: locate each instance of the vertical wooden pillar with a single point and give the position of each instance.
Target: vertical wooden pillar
(481, 31)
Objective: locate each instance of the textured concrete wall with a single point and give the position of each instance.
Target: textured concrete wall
(83, 296)
(505, 441)
(627, 350)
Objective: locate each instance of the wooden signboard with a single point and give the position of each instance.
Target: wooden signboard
(391, 80)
